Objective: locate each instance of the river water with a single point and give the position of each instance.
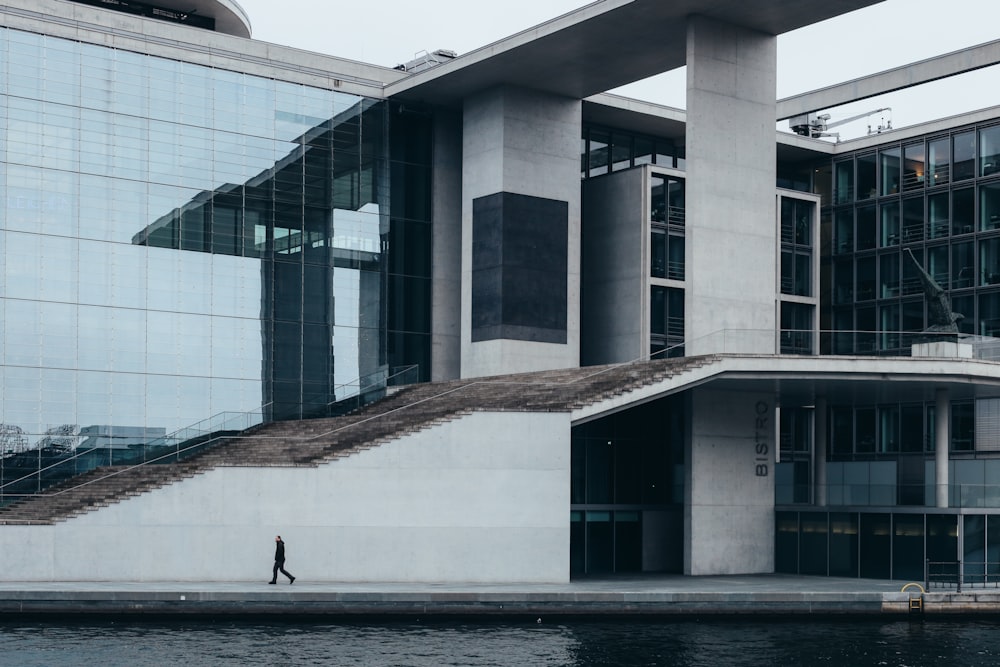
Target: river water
(535, 642)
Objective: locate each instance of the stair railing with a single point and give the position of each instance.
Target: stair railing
(175, 446)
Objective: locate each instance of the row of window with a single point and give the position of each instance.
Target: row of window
(891, 275)
(893, 429)
(876, 546)
(917, 219)
(892, 328)
(913, 166)
(604, 151)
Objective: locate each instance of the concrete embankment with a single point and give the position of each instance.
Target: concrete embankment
(775, 595)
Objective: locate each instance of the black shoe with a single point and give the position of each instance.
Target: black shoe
(272, 582)
(291, 580)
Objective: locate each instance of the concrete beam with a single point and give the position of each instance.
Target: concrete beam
(898, 78)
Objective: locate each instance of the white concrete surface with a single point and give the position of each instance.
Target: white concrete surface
(729, 484)
(731, 157)
(942, 349)
(527, 143)
(474, 500)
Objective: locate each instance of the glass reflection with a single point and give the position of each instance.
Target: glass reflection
(178, 241)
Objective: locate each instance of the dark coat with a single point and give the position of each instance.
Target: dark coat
(279, 551)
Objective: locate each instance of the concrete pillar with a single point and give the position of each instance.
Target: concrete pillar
(729, 484)
(819, 452)
(942, 433)
(520, 232)
(730, 218)
(446, 290)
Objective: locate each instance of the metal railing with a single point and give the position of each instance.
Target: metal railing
(32, 471)
(28, 473)
(408, 371)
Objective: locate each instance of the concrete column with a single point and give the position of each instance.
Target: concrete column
(446, 296)
(729, 484)
(520, 232)
(819, 452)
(942, 433)
(730, 218)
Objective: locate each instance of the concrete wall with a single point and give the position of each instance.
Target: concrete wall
(615, 304)
(729, 484)
(475, 500)
(526, 143)
(731, 158)
(446, 253)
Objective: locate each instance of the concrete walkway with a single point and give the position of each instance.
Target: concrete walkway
(617, 596)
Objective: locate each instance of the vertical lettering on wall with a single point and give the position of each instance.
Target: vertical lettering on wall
(760, 438)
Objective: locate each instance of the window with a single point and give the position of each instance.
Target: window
(843, 187)
(937, 215)
(913, 219)
(962, 426)
(963, 211)
(938, 162)
(889, 166)
(964, 156)
(866, 176)
(914, 158)
(989, 261)
(989, 207)
(598, 152)
(890, 225)
(888, 431)
(867, 229)
(937, 265)
(844, 230)
(989, 151)
(621, 151)
(796, 328)
(962, 265)
(666, 319)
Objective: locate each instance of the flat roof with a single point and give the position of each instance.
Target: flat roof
(229, 17)
(604, 45)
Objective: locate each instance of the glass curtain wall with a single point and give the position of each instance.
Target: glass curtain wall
(937, 197)
(627, 489)
(178, 241)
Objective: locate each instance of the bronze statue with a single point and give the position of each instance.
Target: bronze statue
(940, 318)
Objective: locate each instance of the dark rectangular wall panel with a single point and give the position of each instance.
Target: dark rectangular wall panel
(519, 264)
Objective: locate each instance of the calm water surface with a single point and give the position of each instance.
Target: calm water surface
(708, 643)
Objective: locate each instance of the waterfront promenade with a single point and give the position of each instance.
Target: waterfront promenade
(596, 597)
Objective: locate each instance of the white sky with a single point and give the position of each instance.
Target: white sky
(893, 33)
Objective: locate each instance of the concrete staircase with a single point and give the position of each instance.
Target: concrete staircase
(312, 442)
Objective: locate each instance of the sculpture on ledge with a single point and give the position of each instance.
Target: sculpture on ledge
(940, 317)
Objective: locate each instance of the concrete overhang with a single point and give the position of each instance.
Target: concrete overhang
(604, 45)
(799, 381)
(888, 81)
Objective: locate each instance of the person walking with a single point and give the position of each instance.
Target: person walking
(279, 562)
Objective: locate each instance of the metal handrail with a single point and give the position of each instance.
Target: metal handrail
(663, 353)
(177, 453)
(146, 446)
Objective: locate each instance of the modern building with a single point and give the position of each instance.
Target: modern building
(200, 230)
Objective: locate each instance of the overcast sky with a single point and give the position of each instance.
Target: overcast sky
(893, 33)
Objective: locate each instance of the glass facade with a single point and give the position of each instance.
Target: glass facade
(936, 197)
(873, 546)
(177, 241)
(627, 490)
